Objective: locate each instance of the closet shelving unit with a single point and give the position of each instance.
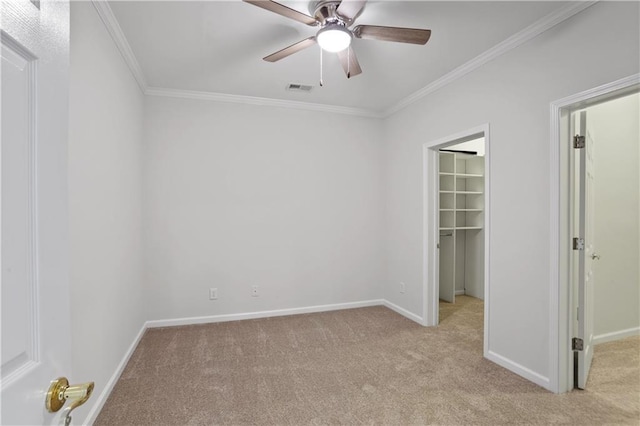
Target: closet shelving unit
(461, 210)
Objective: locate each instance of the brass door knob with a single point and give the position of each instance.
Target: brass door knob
(60, 391)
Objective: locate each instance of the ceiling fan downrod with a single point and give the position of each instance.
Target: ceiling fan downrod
(321, 82)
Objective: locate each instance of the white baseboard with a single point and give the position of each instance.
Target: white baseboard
(616, 335)
(520, 370)
(262, 314)
(106, 391)
(404, 312)
(459, 292)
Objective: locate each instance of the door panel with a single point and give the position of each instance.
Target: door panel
(586, 273)
(33, 207)
(19, 286)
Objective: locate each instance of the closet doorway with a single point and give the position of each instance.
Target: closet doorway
(456, 214)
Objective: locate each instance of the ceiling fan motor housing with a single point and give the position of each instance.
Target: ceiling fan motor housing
(325, 11)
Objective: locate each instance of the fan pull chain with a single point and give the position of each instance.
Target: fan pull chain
(321, 82)
(348, 62)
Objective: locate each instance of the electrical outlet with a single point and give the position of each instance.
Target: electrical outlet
(254, 291)
(402, 288)
(213, 293)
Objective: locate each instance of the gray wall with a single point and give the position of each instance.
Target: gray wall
(105, 141)
(239, 195)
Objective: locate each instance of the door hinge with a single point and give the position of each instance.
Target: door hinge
(578, 141)
(577, 344)
(578, 243)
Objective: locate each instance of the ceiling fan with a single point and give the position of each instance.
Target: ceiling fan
(335, 17)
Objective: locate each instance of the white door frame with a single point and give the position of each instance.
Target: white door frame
(561, 217)
(430, 224)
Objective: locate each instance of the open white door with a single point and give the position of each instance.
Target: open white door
(586, 251)
(34, 254)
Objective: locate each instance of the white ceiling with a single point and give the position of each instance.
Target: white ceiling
(218, 46)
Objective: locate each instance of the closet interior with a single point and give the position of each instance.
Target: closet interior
(461, 218)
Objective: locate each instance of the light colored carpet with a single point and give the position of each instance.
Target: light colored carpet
(358, 366)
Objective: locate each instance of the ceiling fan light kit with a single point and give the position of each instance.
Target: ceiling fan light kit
(334, 38)
(334, 17)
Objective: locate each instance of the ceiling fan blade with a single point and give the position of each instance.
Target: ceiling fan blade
(349, 62)
(283, 10)
(290, 50)
(402, 35)
(350, 8)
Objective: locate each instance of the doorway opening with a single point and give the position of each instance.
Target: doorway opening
(596, 209)
(456, 214)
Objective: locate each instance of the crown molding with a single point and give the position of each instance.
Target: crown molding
(252, 100)
(521, 37)
(113, 28)
(537, 28)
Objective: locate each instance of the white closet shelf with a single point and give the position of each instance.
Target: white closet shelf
(468, 210)
(460, 228)
(446, 191)
(462, 175)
